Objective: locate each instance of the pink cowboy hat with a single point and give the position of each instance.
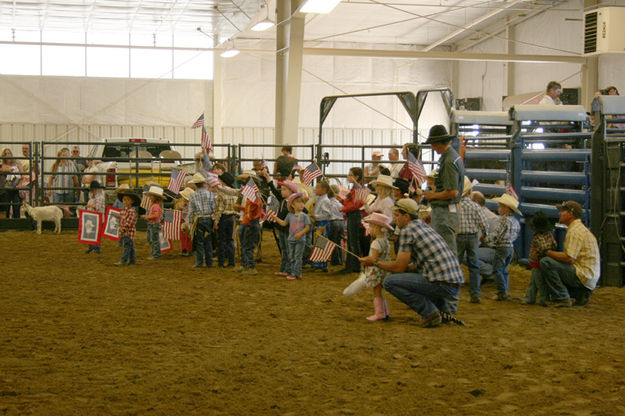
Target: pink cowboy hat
(379, 219)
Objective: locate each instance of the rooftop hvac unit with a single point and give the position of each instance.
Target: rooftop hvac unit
(604, 31)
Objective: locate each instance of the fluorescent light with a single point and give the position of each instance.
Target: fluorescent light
(319, 6)
(229, 53)
(262, 25)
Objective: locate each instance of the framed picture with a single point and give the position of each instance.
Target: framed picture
(165, 243)
(89, 227)
(111, 225)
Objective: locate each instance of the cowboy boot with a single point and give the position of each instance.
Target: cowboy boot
(379, 310)
(385, 309)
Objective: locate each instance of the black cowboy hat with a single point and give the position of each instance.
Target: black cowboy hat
(135, 198)
(438, 134)
(540, 223)
(227, 178)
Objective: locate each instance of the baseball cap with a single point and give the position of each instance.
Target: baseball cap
(572, 206)
(406, 205)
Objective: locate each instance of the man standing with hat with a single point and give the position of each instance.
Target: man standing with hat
(426, 273)
(449, 184)
(575, 270)
(201, 209)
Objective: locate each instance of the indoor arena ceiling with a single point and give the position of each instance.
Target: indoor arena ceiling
(426, 23)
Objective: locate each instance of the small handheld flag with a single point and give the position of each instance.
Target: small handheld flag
(272, 208)
(309, 173)
(322, 250)
(206, 143)
(416, 168)
(176, 180)
(172, 221)
(249, 190)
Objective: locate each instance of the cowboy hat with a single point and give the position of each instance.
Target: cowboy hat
(402, 184)
(438, 134)
(122, 188)
(467, 186)
(509, 201)
(156, 191)
(540, 223)
(384, 180)
(291, 186)
(379, 219)
(135, 198)
(246, 174)
(186, 193)
(227, 178)
(198, 178)
(293, 197)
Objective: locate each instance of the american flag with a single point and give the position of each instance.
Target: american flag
(322, 250)
(272, 208)
(206, 143)
(176, 180)
(361, 194)
(172, 221)
(309, 173)
(249, 190)
(212, 179)
(509, 188)
(416, 168)
(199, 122)
(146, 204)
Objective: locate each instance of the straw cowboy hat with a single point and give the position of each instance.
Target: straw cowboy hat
(246, 174)
(123, 188)
(467, 186)
(509, 201)
(198, 178)
(384, 180)
(186, 193)
(540, 223)
(156, 191)
(293, 197)
(432, 174)
(379, 219)
(438, 134)
(127, 192)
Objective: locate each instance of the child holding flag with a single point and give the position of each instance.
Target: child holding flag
(298, 224)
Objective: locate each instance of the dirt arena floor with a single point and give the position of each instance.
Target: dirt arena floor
(79, 336)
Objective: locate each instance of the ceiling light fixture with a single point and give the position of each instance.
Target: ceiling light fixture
(319, 6)
(264, 24)
(230, 52)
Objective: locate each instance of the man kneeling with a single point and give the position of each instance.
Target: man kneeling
(427, 275)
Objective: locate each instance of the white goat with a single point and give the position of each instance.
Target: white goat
(49, 213)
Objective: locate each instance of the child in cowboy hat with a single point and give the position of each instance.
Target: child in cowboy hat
(384, 202)
(154, 220)
(127, 226)
(225, 213)
(373, 276)
(299, 225)
(501, 240)
(182, 204)
(541, 242)
(95, 203)
(287, 188)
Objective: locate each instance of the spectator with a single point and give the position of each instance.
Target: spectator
(552, 95)
(284, 164)
(10, 176)
(63, 177)
(373, 169)
(394, 168)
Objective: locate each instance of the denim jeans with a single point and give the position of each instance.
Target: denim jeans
(559, 277)
(283, 235)
(335, 233)
(225, 249)
(354, 232)
(537, 284)
(503, 257)
(249, 238)
(154, 240)
(129, 256)
(421, 295)
(445, 223)
(95, 248)
(486, 256)
(296, 252)
(203, 241)
(468, 243)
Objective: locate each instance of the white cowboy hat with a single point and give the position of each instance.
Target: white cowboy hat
(186, 193)
(246, 174)
(198, 178)
(509, 201)
(384, 180)
(467, 186)
(156, 191)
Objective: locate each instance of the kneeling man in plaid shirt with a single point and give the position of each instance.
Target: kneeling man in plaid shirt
(426, 273)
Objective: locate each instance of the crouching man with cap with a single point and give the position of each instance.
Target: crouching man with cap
(576, 270)
(426, 273)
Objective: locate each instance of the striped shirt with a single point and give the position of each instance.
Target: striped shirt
(505, 234)
(430, 253)
(581, 245)
(202, 202)
(471, 218)
(128, 222)
(63, 181)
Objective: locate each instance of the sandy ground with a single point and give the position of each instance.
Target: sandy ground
(79, 336)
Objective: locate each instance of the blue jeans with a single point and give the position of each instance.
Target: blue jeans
(445, 223)
(486, 256)
(322, 229)
(503, 257)
(66, 197)
(283, 235)
(559, 277)
(154, 240)
(537, 284)
(249, 238)
(354, 232)
(225, 249)
(95, 248)
(203, 242)
(468, 243)
(296, 251)
(129, 256)
(335, 233)
(421, 295)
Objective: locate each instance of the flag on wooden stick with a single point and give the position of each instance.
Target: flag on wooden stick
(309, 173)
(272, 208)
(322, 250)
(206, 143)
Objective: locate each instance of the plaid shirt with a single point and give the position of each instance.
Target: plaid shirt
(127, 222)
(430, 253)
(506, 232)
(202, 202)
(540, 244)
(581, 245)
(97, 202)
(471, 219)
(224, 205)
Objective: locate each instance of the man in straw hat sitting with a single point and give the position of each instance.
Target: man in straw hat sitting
(448, 186)
(575, 270)
(426, 273)
(201, 209)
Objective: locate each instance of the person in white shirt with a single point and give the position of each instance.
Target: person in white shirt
(552, 95)
(395, 168)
